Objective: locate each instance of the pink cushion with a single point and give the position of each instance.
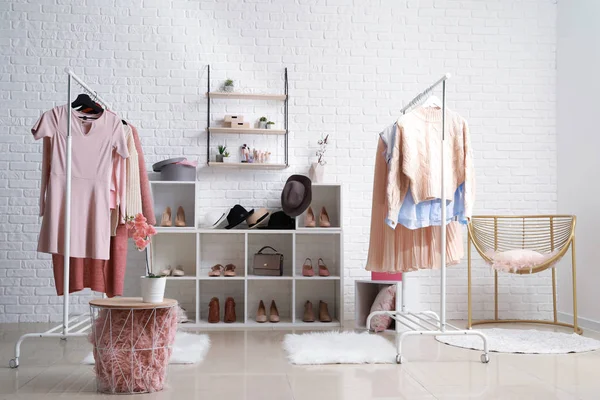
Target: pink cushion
(516, 260)
(385, 301)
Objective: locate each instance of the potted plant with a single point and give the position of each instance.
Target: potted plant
(228, 86)
(270, 125)
(317, 170)
(153, 286)
(222, 150)
(226, 158)
(262, 123)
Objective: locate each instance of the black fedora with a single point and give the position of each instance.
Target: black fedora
(237, 215)
(280, 220)
(296, 195)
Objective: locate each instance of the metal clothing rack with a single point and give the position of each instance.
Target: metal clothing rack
(78, 325)
(428, 323)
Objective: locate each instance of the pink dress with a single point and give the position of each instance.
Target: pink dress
(92, 163)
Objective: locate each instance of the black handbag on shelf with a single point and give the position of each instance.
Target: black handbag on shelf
(268, 264)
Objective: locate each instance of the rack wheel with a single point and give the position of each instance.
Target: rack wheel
(485, 358)
(400, 359)
(13, 363)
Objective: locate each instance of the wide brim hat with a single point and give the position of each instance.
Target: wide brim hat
(237, 215)
(280, 220)
(257, 218)
(157, 167)
(296, 195)
(214, 219)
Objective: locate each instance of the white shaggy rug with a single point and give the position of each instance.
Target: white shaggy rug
(339, 348)
(188, 348)
(524, 341)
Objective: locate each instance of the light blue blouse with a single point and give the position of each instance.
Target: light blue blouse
(429, 213)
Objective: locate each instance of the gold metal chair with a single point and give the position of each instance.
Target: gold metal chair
(542, 233)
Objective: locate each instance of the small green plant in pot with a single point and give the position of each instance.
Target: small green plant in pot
(228, 86)
(222, 151)
(227, 158)
(262, 123)
(270, 125)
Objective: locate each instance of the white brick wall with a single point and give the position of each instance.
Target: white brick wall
(352, 65)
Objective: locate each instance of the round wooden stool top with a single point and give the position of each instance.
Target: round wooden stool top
(131, 302)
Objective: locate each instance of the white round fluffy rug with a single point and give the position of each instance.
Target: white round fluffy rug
(524, 341)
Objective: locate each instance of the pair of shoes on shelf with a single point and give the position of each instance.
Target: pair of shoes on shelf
(309, 314)
(214, 311)
(170, 271)
(217, 269)
(261, 313)
(167, 219)
(307, 268)
(310, 222)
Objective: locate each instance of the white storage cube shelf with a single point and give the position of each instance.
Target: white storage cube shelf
(196, 250)
(365, 292)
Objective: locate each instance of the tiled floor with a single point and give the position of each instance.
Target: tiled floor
(252, 365)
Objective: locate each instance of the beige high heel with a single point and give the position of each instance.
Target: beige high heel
(324, 221)
(180, 217)
(166, 218)
(309, 219)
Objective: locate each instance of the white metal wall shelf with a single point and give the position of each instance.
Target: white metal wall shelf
(248, 96)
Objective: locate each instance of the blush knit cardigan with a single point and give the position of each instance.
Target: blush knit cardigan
(107, 276)
(416, 160)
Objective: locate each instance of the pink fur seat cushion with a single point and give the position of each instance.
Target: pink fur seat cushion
(385, 301)
(519, 259)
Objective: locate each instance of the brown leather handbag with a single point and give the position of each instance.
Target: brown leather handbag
(268, 264)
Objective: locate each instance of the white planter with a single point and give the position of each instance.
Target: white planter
(228, 89)
(228, 160)
(316, 173)
(262, 124)
(153, 289)
(270, 126)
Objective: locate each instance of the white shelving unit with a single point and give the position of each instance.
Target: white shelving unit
(198, 249)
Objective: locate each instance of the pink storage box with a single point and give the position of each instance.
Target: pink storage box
(384, 276)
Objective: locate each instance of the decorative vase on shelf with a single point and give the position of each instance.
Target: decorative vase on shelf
(270, 125)
(262, 124)
(219, 158)
(316, 172)
(153, 288)
(228, 160)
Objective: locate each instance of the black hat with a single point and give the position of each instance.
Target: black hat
(280, 220)
(237, 215)
(296, 195)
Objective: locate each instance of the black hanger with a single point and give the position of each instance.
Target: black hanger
(87, 104)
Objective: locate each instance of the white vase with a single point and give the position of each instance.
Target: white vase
(228, 160)
(228, 89)
(270, 126)
(316, 173)
(153, 289)
(262, 124)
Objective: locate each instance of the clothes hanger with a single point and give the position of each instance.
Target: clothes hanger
(432, 101)
(85, 104)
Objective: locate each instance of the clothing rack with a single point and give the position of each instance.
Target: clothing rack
(81, 322)
(428, 323)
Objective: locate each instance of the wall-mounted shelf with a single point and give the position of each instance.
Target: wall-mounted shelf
(247, 165)
(241, 96)
(248, 131)
(250, 96)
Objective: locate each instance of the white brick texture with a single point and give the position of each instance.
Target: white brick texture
(352, 65)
